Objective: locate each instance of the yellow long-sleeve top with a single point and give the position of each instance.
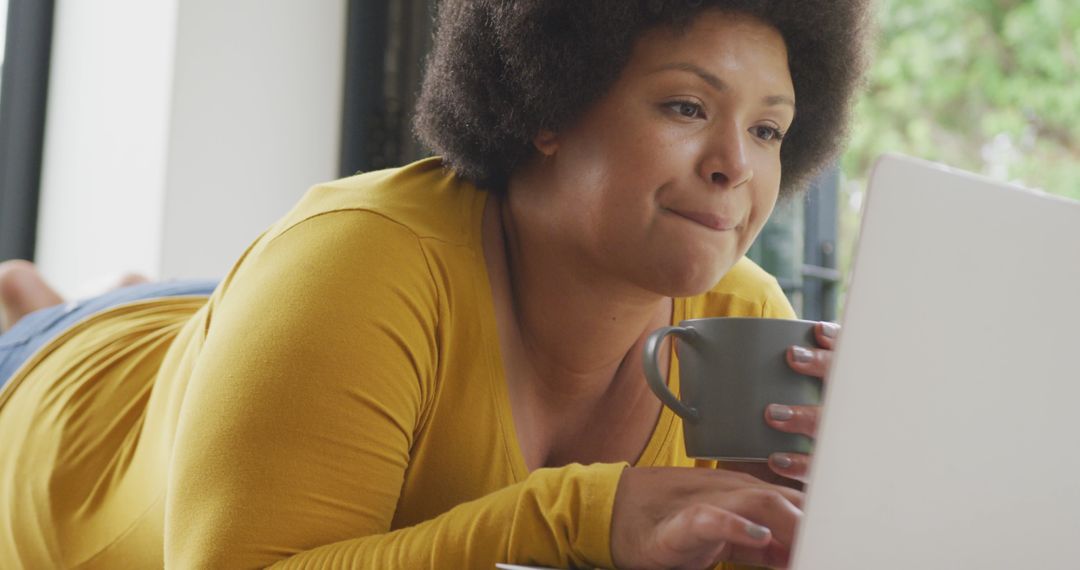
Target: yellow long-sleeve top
(339, 401)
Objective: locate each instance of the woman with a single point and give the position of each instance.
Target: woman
(409, 371)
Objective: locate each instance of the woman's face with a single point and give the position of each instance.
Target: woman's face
(666, 181)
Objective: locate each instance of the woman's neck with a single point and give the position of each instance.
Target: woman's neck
(574, 328)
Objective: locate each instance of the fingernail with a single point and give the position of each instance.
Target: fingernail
(756, 531)
(830, 329)
(801, 354)
(782, 460)
(780, 413)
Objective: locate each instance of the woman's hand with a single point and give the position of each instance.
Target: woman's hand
(802, 419)
(678, 517)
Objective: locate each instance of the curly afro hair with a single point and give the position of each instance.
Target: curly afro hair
(501, 71)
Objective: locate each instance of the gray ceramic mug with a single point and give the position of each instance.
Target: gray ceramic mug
(730, 370)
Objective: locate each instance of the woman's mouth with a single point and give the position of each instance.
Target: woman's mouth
(709, 220)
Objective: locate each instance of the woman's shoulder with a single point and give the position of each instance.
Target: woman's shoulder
(374, 235)
(746, 290)
(425, 197)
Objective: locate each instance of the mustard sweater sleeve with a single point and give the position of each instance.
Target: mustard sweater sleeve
(294, 435)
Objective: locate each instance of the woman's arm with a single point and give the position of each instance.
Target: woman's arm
(295, 433)
(296, 428)
(557, 517)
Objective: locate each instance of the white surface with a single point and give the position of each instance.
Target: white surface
(177, 130)
(256, 120)
(3, 28)
(103, 171)
(950, 435)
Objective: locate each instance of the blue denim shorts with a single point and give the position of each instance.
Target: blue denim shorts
(39, 327)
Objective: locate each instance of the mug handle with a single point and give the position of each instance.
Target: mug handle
(656, 379)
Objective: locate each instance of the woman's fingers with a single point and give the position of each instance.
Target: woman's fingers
(815, 361)
(793, 419)
(802, 420)
(770, 508)
(701, 535)
(826, 333)
(676, 517)
(791, 465)
(810, 361)
(699, 528)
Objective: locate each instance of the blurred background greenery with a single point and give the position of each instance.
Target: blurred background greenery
(990, 86)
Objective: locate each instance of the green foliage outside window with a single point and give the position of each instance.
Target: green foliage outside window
(990, 86)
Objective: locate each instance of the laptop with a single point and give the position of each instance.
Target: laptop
(951, 430)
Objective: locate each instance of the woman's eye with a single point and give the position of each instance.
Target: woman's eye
(687, 109)
(767, 133)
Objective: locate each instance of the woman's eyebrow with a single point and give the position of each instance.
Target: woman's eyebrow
(779, 100)
(717, 83)
(713, 81)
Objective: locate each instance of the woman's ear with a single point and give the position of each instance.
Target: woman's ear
(547, 142)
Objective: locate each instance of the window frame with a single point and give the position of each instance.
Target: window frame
(23, 99)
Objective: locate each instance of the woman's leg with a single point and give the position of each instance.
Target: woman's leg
(22, 291)
(38, 313)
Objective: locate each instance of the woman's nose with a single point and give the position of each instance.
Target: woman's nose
(726, 163)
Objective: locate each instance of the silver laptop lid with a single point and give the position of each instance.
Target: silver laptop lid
(951, 436)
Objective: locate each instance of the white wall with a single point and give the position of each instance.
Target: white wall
(3, 28)
(178, 130)
(255, 121)
(106, 131)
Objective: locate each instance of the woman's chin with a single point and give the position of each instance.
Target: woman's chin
(689, 280)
